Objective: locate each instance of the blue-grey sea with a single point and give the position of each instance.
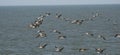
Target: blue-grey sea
(17, 38)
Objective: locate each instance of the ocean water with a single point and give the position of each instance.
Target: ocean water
(16, 38)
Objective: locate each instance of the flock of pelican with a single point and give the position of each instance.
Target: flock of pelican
(42, 33)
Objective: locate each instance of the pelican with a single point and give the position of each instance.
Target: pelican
(74, 21)
(100, 36)
(55, 31)
(33, 25)
(37, 25)
(41, 34)
(89, 34)
(61, 37)
(82, 49)
(43, 46)
(38, 22)
(77, 21)
(59, 49)
(80, 22)
(40, 31)
(58, 15)
(117, 35)
(99, 50)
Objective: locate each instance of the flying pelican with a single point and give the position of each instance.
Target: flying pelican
(82, 49)
(56, 31)
(89, 34)
(117, 35)
(59, 49)
(99, 50)
(43, 46)
(58, 15)
(61, 37)
(100, 36)
(41, 34)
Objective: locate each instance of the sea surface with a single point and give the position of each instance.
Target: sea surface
(17, 38)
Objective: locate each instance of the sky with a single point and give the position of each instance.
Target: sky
(55, 2)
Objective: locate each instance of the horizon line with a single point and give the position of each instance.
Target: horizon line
(60, 5)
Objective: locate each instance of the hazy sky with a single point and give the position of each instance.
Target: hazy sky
(55, 2)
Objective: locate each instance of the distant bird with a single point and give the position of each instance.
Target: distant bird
(89, 34)
(100, 36)
(41, 34)
(33, 25)
(82, 49)
(59, 49)
(47, 14)
(74, 21)
(38, 22)
(58, 15)
(117, 35)
(99, 50)
(43, 46)
(77, 21)
(56, 31)
(61, 37)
